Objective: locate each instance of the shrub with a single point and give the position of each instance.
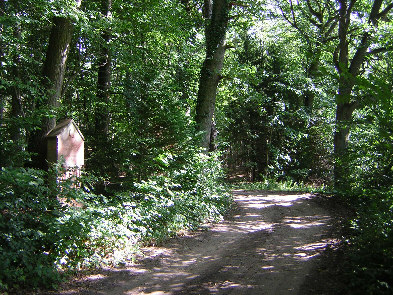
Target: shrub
(28, 213)
(40, 235)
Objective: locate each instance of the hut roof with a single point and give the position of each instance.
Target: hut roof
(61, 126)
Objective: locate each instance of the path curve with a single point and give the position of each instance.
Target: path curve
(268, 246)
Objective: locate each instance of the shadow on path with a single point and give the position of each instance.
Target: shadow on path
(268, 246)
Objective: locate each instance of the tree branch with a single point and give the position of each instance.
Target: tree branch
(293, 23)
(358, 58)
(350, 7)
(315, 13)
(335, 57)
(378, 50)
(238, 3)
(375, 11)
(384, 12)
(331, 29)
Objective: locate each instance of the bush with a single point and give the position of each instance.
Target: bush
(28, 214)
(370, 193)
(371, 244)
(111, 228)
(40, 235)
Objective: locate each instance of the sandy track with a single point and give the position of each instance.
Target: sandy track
(269, 245)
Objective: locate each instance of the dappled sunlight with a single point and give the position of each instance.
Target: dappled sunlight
(150, 293)
(306, 221)
(270, 242)
(261, 201)
(225, 286)
(243, 227)
(93, 277)
(96, 277)
(288, 252)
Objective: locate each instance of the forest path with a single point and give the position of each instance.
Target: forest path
(271, 244)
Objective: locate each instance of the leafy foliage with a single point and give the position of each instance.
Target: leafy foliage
(266, 126)
(38, 231)
(145, 179)
(28, 216)
(370, 191)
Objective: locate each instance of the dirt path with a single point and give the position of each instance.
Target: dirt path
(270, 245)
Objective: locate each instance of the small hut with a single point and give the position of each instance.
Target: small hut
(65, 142)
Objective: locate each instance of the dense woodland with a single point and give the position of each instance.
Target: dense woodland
(176, 98)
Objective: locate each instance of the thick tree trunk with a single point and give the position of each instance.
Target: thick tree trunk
(343, 99)
(344, 113)
(345, 107)
(343, 123)
(53, 77)
(208, 83)
(55, 63)
(211, 69)
(348, 71)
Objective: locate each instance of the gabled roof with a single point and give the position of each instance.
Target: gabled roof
(61, 126)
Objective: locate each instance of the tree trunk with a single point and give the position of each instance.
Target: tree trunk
(213, 136)
(14, 132)
(100, 143)
(104, 76)
(16, 97)
(2, 92)
(348, 71)
(343, 99)
(343, 123)
(53, 77)
(211, 69)
(312, 71)
(55, 64)
(2, 59)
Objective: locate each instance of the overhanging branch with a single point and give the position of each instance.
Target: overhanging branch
(378, 50)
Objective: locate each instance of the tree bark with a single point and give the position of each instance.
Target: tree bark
(55, 63)
(100, 140)
(53, 77)
(348, 70)
(211, 69)
(311, 72)
(104, 76)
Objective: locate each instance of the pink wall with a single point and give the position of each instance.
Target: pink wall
(71, 147)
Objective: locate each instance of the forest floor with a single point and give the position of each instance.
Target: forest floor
(271, 243)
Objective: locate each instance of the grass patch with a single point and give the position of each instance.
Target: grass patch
(274, 185)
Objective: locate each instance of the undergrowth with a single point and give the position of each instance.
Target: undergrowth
(370, 243)
(274, 185)
(43, 236)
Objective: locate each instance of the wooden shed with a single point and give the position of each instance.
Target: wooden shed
(66, 142)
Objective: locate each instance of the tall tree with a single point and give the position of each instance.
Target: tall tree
(104, 73)
(53, 78)
(349, 68)
(2, 92)
(99, 142)
(216, 13)
(2, 13)
(16, 96)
